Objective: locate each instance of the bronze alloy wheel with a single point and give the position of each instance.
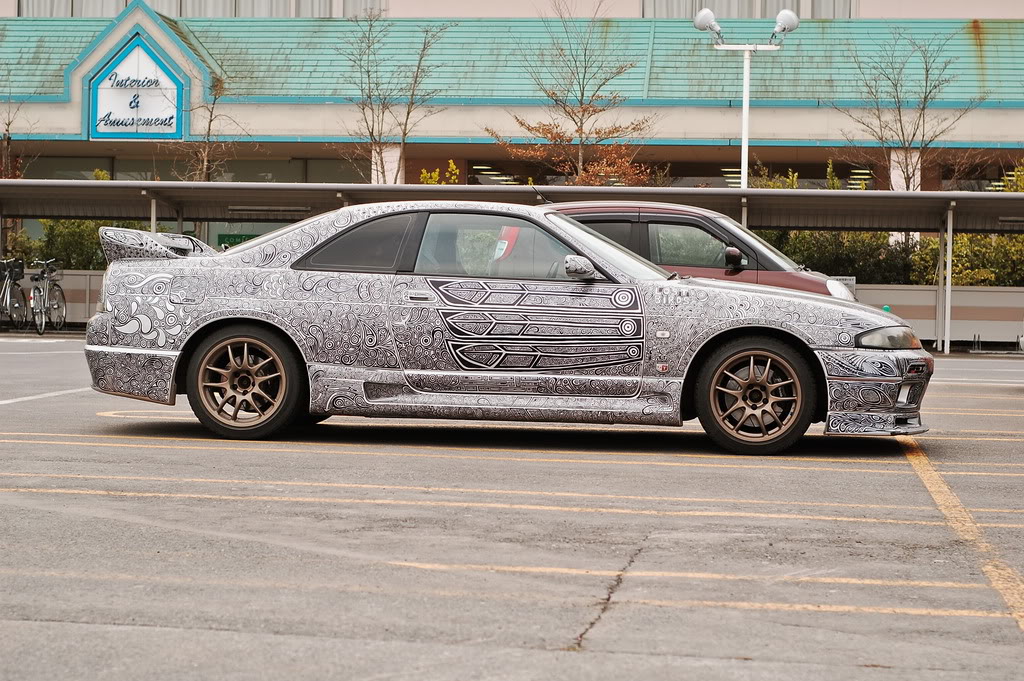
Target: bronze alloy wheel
(241, 382)
(755, 396)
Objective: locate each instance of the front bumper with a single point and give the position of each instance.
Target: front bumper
(876, 392)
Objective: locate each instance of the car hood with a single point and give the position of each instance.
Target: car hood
(869, 317)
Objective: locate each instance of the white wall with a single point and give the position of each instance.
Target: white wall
(523, 9)
(994, 312)
(940, 9)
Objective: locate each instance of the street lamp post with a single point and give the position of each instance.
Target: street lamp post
(786, 22)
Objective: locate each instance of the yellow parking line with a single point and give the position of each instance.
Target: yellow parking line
(671, 574)
(1000, 574)
(319, 443)
(521, 459)
(472, 490)
(973, 396)
(961, 412)
(492, 595)
(469, 457)
(460, 490)
(969, 439)
(487, 505)
(484, 448)
(814, 607)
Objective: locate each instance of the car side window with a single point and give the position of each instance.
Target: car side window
(466, 244)
(687, 245)
(619, 232)
(373, 246)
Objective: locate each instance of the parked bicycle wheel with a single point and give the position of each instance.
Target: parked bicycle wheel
(38, 309)
(18, 309)
(57, 307)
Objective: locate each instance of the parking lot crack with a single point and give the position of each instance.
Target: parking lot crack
(606, 602)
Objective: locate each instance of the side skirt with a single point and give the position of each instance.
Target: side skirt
(352, 391)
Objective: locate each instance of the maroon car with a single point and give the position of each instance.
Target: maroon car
(698, 242)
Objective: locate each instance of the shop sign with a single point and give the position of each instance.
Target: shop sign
(233, 239)
(136, 96)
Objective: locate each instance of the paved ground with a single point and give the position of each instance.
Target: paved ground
(134, 546)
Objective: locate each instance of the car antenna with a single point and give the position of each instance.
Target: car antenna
(542, 197)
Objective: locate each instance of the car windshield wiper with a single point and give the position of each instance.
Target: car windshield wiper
(673, 275)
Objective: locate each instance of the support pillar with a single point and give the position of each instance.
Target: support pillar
(392, 160)
(940, 294)
(745, 125)
(948, 299)
(181, 224)
(900, 159)
(152, 215)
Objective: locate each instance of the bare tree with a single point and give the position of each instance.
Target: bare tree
(13, 159)
(391, 95)
(203, 158)
(902, 81)
(581, 137)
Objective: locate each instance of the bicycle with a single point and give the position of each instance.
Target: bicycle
(12, 297)
(47, 298)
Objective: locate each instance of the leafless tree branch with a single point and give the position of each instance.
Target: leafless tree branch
(391, 98)
(902, 81)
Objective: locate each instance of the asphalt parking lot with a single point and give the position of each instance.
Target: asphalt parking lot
(134, 545)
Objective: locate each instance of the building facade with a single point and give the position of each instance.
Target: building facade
(132, 88)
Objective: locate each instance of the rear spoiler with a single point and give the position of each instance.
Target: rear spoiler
(118, 243)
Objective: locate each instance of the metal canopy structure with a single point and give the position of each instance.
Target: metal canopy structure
(275, 202)
(884, 211)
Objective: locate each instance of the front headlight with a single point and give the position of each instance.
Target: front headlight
(838, 289)
(889, 338)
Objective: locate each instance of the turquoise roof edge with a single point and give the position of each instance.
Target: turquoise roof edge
(298, 61)
(660, 142)
(103, 28)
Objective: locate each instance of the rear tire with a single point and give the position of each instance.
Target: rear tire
(756, 395)
(38, 313)
(18, 308)
(245, 382)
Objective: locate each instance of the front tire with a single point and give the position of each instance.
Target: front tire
(57, 308)
(756, 395)
(245, 382)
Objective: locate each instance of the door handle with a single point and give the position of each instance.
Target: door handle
(420, 296)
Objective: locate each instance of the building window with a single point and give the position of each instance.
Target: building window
(67, 167)
(313, 8)
(330, 170)
(356, 8)
(207, 8)
(144, 169)
(203, 8)
(263, 8)
(44, 8)
(169, 8)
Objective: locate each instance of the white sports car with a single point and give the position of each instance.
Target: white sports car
(486, 311)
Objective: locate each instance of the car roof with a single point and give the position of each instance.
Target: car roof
(613, 206)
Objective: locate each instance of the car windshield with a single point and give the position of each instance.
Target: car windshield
(623, 258)
(780, 257)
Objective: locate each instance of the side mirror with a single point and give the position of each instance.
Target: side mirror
(734, 258)
(578, 267)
